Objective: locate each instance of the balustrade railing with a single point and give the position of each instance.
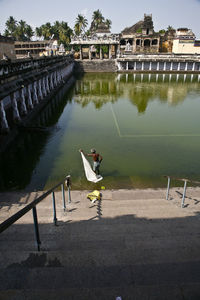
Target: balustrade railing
(184, 188)
(7, 223)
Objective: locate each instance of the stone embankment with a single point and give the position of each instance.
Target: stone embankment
(26, 86)
(156, 63)
(131, 243)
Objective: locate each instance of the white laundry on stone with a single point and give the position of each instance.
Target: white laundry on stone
(89, 173)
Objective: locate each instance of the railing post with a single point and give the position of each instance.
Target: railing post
(63, 196)
(168, 185)
(36, 227)
(68, 183)
(54, 209)
(184, 192)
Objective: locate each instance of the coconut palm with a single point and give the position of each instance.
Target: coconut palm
(11, 26)
(21, 31)
(97, 18)
(38, 31)
(46, 31)
(80, 25)
(108, 23)
(29, 32)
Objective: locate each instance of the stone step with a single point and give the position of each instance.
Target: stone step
(58, 277)
(144, 292)
(99, 252)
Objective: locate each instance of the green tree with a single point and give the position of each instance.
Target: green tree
(59, 31)
(11, 26)
(47, 31)
(97, 18)
(29, 32)
(169, 28)
(24, 32)
(108, 23)
(20, 31)
(80, 25)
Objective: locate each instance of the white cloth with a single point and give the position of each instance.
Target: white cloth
(89, 173)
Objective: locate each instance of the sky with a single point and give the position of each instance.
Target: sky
(176, 13)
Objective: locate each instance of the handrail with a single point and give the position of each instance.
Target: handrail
(185, 180)
(8, 222)
(182, 179)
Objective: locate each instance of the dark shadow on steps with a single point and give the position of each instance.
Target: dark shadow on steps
(137, 258)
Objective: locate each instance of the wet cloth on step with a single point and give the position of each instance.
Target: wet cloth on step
(89, 173)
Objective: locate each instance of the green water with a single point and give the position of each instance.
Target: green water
(143, 126)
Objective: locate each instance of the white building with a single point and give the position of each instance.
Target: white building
(185, 43)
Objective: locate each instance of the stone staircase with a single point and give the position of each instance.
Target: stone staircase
(132, 243)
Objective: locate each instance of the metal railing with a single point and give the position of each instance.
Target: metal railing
(7, 223)
(184, 188)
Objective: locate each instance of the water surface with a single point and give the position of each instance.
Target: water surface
(144, 126)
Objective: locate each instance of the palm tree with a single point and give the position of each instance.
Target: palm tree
(80, 25)
(38, 31)
(46, 31)
(108, 23)
(97, 18)
(56, 28)
(11, 26)
(20, 31)
(29, 32)
(169, 28)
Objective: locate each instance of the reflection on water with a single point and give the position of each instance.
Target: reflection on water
(144, 125)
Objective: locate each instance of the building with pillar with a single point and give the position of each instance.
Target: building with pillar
(99, 45)
(140, 38)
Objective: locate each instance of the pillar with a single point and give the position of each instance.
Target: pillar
(30, 102)
(150, 66)
(101, 54)
(158, 66)
(90, 55)
(110, 52)
(23, 103)
(47, 84)
(51, 82)
(44, 87)
(81, 53)
(193, 66)
(164, 67)
(40, 89)
(171, 66)
(134, 65)
(179, 66)
(186, 66)
(35, 96)
(142, 66)
(16, 116)
(127, 65)
(4, 123)
(55, 78)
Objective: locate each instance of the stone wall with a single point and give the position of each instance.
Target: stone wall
(7, 47)
(25, 92)
(95, 66)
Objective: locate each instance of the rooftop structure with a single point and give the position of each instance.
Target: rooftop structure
(140, 38)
